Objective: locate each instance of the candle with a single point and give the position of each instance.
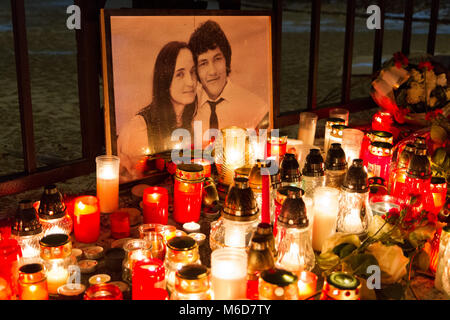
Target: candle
(94, 252)
(352, 222)
(108, 183)
(32, 282)
(87, 266)
(326, 209)
(188, 191)
(229, 274)
(381, 204)
(56, 277)
(276, 147)
(120, 224)
(87, 219)
(191, 227)
(198, 237)
(99, 279)
(72, 291)
(148, 275)
(351, 143)
(206, 166)
(233, 153)
(155, 205)
(307, 127)
(168, 231)
(265, 205)
(307, 283)
(328, 128)
(382, 121)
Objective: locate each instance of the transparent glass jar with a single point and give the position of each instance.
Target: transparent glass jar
(32, 282)
(135, 250)
(103, 291)
(180, 252)
(192, 282)
(56, 251)
(52, 212)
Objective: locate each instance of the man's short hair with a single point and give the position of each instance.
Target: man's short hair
(209, 36)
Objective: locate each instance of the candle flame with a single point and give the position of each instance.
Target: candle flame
(81, 205)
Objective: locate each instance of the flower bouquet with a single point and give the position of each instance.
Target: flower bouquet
(395, 243)
(411, 88)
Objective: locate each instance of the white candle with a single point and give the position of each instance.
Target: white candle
(352, 222)
(56, 277)
(108, 183)
(229, 274)
(326, 209)
(191, 227)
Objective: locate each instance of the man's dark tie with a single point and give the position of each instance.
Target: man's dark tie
(213, 121)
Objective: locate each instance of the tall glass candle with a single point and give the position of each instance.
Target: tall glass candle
(229, 274)
(86, 219)
(326, 209)
(328, 127)
(351, 143)
(155, 205)
(276, 147)
(108, 183)
(188, 192)
(379, 159)
(307, 127)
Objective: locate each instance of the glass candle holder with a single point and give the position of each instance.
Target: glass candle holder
(188, 191)
(313, 172)
(341, 286)
(231, 153)
(382, 121)
(335, 166)
(326, 209)
(382, 204)
(351, 143)
(374, 136)
(260, 258)
(181, 251)
(192, 282)
(397, 176)
(328, 128)
(379, 159)
(155, 203)
(120, 224)
(340, 113)
(354, 209)
(278, 284)
(307, 127)
(438, 188)
(56, 250)
(52, 212)
(32, 282)
(103, 291)
(148, 276)
(336, 134)
(10, 254)
(27, 230)
(229, 274)
(307, 284)
(276, 147)
(108, 183)
(87, 219)
(377, 187)
(146, 228)
(158, 245)
(168, 232)
(135, 250)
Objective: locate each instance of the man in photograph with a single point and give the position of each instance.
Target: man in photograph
(222, 102)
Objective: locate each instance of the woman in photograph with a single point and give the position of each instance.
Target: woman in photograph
(173, 106)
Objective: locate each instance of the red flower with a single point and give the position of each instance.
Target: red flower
(433, 114)
(426, 65)
(400, 60)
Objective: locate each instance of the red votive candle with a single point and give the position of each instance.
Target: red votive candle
(188, 190)
(265, 206)
(120, 224)
(148, 279)
(379, 159)
(276, 146)
(382, 121)
(155, 205)
(438, 188)
(86, 219)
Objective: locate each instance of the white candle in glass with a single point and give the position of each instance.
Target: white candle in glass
(56, 277)
(229, 274)
(326, 209)
(108, 183)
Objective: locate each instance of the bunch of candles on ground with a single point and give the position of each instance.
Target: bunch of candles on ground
(262, 245)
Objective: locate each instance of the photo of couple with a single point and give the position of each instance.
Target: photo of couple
(194, 78)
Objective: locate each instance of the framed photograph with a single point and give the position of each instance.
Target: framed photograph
(166, 72)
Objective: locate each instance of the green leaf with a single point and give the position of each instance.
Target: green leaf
(360, 262)
(344, 249)
(394, 291)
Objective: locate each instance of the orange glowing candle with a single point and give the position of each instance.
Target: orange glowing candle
(307, 282)
(32, 282)
(108, 183)
(155, 205)
(87, 219)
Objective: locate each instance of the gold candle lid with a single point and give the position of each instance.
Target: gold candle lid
(189, 172)
(55, 246)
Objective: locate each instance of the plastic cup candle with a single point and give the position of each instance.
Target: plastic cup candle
(307, 127)
(326, 209)
(87, 219)
(307, 283)
(351, 143)
(108, 183)
(155, 205)
(229, 274)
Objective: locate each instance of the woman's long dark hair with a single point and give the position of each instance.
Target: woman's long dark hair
(161, 109)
